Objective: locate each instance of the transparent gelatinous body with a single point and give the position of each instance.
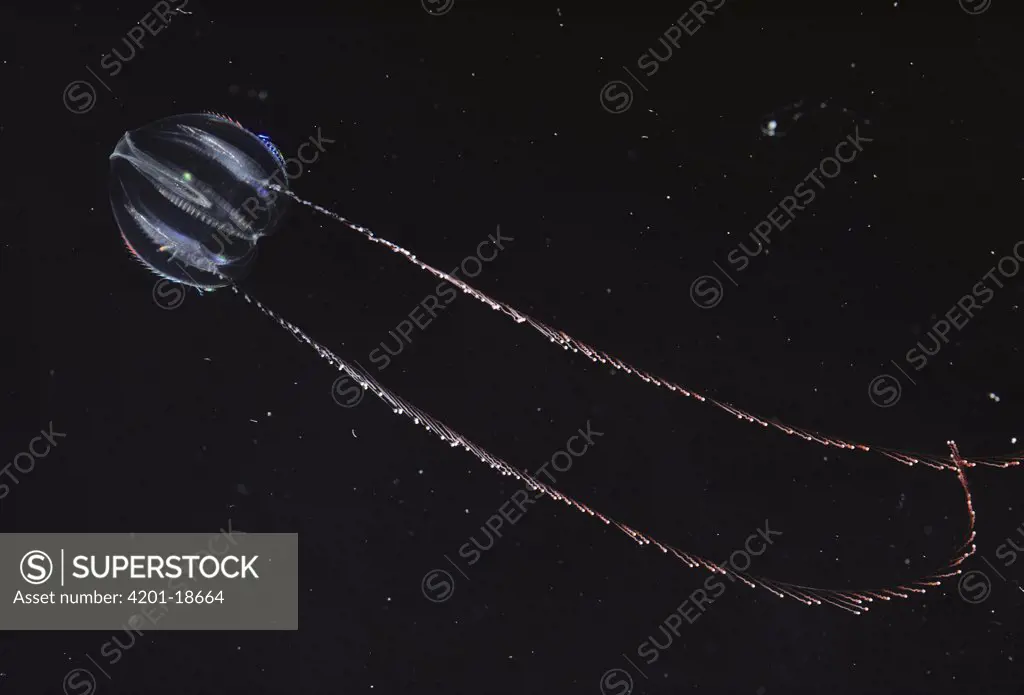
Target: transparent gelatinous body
(192, 195)
(182, 181)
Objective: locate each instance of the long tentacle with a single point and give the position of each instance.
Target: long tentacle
(853, 601)
(598, 356)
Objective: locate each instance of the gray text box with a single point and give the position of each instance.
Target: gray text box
(166, 581)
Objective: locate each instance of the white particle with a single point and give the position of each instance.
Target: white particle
(993, 397)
